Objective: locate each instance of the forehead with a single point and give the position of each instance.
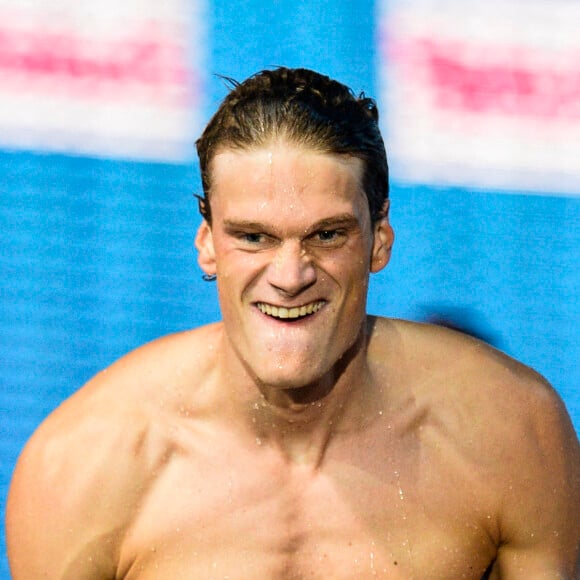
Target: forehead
(287, 175)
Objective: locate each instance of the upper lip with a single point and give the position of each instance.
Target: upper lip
(290, 311)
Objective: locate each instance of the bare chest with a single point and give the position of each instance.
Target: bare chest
(225, 517)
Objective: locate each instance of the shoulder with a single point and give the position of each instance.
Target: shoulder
(439, 363)
(508, 426)
(117, 406)
(84, 471)
(458, 376)
(165, 360)
(486, 403)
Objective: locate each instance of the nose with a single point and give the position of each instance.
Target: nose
(291, 271)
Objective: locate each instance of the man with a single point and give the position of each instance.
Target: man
(300, 438)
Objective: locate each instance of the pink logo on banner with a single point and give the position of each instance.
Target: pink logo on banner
(101, 79)
(93, 67)
(472, 99)
(509, 85)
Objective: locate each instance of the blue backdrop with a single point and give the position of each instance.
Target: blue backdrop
(97, 255)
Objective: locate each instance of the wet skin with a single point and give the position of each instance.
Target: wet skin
(299, 438)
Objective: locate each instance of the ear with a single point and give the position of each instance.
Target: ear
(205, 248)
(383, 238)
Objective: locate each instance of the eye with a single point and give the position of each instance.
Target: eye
(254, 241)
(327, 235)
(330, 238)
(252, 237)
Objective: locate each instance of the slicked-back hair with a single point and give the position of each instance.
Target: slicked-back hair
(301, 107)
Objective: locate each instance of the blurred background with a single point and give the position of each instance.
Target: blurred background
(100, 105)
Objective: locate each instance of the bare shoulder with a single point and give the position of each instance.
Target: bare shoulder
(171, 356)
(508, 426)
(447, 368)
(84, 471)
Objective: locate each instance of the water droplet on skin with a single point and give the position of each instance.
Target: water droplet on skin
(258, 441)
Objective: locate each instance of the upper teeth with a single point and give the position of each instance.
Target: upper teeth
(282, 312)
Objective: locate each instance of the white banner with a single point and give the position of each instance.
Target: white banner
(105, 78)
(482, 94)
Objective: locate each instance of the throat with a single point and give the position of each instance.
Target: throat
(302, 426)
(300, 433)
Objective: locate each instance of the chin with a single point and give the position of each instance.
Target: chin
(289, 377)
(286, 380)
(294, 368)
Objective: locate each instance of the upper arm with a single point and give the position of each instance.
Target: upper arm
(540, 519)
(75, 490)
(53, 525)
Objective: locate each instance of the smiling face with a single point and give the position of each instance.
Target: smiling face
(292, 245)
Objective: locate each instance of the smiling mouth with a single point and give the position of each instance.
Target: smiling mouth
(294, 313)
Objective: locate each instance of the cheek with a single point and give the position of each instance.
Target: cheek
(355, 278)
(234, 264)
(350, 268)
(357, 294)
(237, 274)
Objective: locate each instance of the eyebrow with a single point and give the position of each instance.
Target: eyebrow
(243, 224)
(345, 220)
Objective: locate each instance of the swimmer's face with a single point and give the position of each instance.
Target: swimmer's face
(292, 245)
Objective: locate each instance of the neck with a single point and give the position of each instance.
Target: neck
(301, 422)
